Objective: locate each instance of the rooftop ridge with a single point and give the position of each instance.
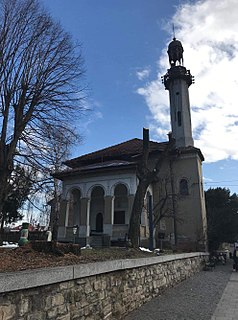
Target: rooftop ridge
(126, 147)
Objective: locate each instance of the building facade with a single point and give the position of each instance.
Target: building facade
(99, 188)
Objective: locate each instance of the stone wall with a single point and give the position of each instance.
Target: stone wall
(105, 290)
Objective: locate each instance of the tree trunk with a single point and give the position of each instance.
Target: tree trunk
(134, 229)
(4, 176)
(146, 177)
(6, 168)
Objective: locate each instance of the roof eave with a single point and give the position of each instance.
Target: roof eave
(81, 171)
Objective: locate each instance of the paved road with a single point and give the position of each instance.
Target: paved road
(207, 295)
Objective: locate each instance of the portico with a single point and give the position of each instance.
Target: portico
(100, 208)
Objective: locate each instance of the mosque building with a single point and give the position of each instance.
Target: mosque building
(99, 188)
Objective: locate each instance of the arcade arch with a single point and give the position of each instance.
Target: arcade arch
(74, 208)
(121, 204)
(97, 209)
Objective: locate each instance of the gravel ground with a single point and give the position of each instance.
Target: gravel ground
(193, 299)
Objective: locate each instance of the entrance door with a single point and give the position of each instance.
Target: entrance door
(99, 222)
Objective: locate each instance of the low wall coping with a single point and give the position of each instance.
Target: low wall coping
(12, 281)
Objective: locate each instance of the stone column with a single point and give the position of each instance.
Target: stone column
(88, 224)
(83, 220)
(66, 223)
(62, 215)
(131, 198)
(108, 215)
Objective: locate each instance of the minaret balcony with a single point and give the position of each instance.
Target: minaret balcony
(177, 72)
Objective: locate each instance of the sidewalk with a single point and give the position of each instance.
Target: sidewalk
(227, 308)
(205, 296)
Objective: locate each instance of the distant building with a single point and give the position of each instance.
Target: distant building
(99, 188)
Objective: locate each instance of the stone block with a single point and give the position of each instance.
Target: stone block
(7, 312)
(104, 285)
(86, 311)
(88, 288)
(81, 282)
(65, 317)
(107, 316)
(77, 314)
(117, 309)
(23, 307)
(37, 315)
(52, 314)
(62, 309)
(97, 285)
(57, 300)
(48, 302)
(66, 285)
(83, 303)
(101, 295)
(34, 278)
(69, 296)
(97, 268)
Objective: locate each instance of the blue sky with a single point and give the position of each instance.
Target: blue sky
(124, 46)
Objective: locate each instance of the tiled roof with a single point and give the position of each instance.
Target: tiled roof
(107, 165)
(123, 151)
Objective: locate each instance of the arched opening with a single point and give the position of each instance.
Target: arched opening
(74, 208)
(120, 204)
(97, 210)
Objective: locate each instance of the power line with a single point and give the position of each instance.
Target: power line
(226, 185)
(220, 181)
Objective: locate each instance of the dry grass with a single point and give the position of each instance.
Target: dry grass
(24, 258)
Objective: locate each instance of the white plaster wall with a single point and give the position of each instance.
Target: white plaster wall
(107, 182)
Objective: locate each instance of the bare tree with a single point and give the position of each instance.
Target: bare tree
(56, 151)
(19, 189)
(163, 208)
(40, 69)
(166, 206)
(146, 174)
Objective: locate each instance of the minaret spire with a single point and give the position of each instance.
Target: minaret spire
(177, 80)
(174, 32)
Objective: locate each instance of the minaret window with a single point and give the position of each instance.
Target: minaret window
(183, 187)
(179, 118)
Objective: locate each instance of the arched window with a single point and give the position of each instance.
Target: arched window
(183, 187)
(120, 204)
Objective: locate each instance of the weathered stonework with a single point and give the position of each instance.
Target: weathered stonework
(93, 293)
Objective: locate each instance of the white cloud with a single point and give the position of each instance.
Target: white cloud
(95, 113)
(143, 74)
(208, 31)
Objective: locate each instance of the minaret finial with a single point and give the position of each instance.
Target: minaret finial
(174, 38)
(175, 52)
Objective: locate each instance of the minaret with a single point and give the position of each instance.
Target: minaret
(177, 80)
